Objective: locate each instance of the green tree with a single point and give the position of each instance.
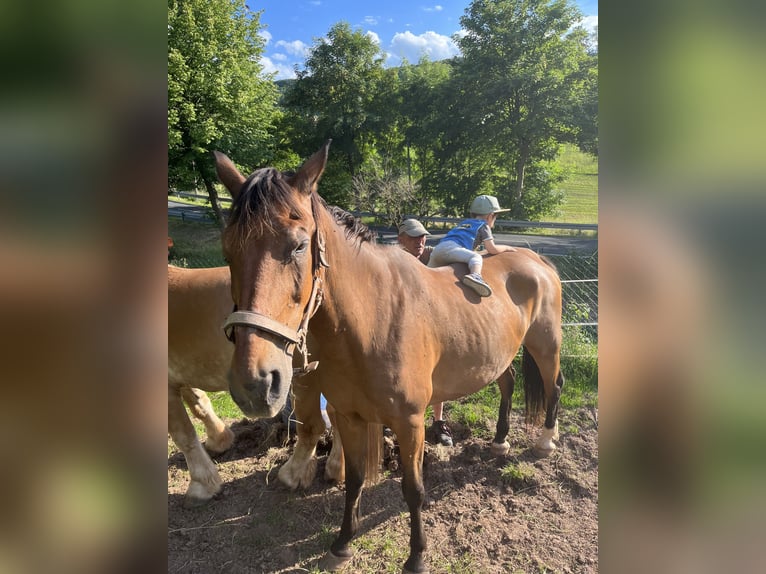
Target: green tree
(218, 97)
(527, 69)
(333, 98)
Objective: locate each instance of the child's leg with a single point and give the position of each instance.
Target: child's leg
(475, 263)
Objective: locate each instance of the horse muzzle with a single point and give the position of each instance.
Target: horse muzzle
(261, 395)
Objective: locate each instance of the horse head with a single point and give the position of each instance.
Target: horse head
(270, 243)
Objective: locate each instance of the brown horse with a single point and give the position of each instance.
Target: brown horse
(394, 336)
(199, 357)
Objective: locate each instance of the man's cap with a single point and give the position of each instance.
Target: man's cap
(485, 204)
(413, 228)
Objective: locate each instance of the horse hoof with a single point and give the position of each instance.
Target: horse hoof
(198, 495)
(541, 452)
(332, 563)
(500, 449)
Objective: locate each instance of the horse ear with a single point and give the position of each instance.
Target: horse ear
(228, 174)
(308, 175)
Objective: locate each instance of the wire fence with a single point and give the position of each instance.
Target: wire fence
(579, 292)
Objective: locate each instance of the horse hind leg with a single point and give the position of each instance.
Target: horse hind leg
(506, 382)
(205, 480)
(543, 382)
(545, 445)
(219, 436)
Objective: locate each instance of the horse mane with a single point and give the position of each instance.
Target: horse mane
(353, 226)
(264, 196)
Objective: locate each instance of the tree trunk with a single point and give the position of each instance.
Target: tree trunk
(211, 192)
(521, 166)
(409, 166)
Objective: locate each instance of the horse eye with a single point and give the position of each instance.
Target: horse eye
(301, 249)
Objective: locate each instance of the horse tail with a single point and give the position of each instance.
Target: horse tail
(534, 389)
(374, 453)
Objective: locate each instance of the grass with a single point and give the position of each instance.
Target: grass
(195, 244)
(580, 188)
(517, 475)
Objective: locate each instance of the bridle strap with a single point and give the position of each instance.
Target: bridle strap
(259, 321)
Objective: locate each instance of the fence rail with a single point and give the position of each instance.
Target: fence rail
(499, 224)
(519, 223)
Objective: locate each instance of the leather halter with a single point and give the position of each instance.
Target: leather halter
(293, 339)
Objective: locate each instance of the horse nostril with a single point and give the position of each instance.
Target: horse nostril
(250, 388)
(276, 384)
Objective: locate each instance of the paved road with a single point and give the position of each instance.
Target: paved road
(188, 212)
(546, 244)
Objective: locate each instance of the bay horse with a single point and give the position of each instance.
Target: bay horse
(199, 357)
(394, 335)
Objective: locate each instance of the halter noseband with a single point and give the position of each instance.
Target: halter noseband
(293, 339)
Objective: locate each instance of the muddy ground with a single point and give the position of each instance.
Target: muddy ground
(481, 518)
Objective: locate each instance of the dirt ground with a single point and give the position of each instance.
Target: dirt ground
(480, 519)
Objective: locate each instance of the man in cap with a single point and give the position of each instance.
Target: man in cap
(412, 238)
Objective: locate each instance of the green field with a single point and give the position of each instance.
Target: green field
(580, 188)
(195, 244)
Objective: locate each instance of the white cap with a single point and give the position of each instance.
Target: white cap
(484, 204)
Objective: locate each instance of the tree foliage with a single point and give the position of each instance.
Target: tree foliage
(217, 95)
(332, 97)
(420, 139)
(525, 64)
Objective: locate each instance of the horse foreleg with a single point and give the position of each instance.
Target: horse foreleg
(219, 436)
(205, 481)
(334, 469)
(506, 382)
(355, 446)
(411, 435)
(300, 468)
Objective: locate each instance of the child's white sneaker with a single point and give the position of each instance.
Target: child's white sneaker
(475, 282)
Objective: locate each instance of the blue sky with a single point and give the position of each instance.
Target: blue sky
(403, 28)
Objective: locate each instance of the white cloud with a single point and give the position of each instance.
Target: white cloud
(436, 8)
(266, 35)
(373, 36)
(371, 20)
(435, 46)
(279, 57)
(294, 48)
(590, 23)
(281, 71)
(315, 3)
